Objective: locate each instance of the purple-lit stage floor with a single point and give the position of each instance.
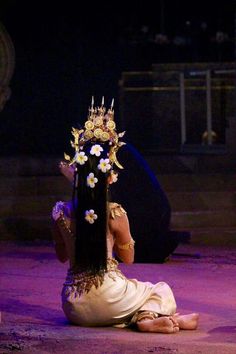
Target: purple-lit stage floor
(203, 280)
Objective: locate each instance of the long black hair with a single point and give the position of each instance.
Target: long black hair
(90, 244)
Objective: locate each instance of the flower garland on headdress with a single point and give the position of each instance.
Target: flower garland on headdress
(98, 129)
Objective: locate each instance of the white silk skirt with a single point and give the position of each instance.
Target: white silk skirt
(115, 301)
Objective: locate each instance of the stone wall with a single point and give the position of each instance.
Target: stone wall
(150, 104)
(7, 65)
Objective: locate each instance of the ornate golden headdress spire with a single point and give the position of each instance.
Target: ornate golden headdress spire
(100, 127)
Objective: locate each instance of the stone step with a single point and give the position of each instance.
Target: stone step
(193, 201)
(39, 228)
(30, 205)
(196, 183)
(179, 202)
(29, 166)
(42, 206)
(34, 185)
(169, 163)
(220, 236)
(56, 184)
(26, 228)
(192, 162)
(203, 218)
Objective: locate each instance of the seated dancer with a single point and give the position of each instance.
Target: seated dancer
(91, 232)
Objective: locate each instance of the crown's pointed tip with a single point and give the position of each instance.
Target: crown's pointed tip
(112, 103)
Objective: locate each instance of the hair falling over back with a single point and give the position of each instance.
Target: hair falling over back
(91, 245)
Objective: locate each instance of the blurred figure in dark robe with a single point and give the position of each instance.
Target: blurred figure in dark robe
(142, 196)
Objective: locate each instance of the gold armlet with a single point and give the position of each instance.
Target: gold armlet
(127, 246)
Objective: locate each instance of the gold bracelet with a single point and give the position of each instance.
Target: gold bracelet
(126, 246)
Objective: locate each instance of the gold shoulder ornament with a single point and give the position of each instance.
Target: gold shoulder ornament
(116, 210)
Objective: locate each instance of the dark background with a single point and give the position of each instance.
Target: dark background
(68, 51)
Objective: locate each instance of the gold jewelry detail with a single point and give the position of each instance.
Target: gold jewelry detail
(62, 222)
(111, 124)
(88, 135)
(98, 133)
(105, 136)
(126, 246)
(89, 125)
(141, 315)
(98, 121)
(116, 209)
(81, 282)
(99, 127)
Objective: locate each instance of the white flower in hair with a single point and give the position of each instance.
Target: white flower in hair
(104, 165)
(96, 150)
(90, 216)
(91, 180)
(81, 158)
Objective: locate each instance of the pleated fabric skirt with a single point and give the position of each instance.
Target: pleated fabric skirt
(116, 301)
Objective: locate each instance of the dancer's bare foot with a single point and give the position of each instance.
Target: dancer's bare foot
(159, 325)
(189, 321)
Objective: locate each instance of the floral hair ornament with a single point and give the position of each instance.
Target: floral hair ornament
(99, 128)
(80, 158)
(104, 165)
(96, 150)
(90, 216)
(91, 180)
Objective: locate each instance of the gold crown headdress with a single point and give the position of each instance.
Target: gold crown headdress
(99, 127)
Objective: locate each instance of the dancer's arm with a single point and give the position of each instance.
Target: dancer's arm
(61, 225)
(124, 243)
(59, 243)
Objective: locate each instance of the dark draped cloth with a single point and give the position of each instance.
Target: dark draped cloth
(147, 206)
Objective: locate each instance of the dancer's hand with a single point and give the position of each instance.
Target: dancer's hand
(67, 170)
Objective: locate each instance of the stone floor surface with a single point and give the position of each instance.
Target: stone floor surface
(203, 280)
